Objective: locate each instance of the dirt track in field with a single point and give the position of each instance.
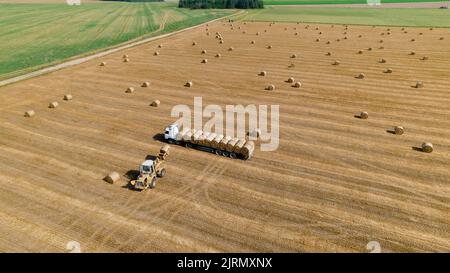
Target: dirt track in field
(335, 183)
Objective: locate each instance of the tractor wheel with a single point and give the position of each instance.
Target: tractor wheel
(153, 183)
(170, 141)
(162, 172)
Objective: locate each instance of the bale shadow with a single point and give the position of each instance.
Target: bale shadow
(358, 116)
(418, 149)
(131, 174)
(390, 131)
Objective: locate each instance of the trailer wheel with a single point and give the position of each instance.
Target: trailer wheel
(226, 154)
(233, 155)
(218, 152)
(153, 183)
(170, 141)
(188, 145)
(162, 172)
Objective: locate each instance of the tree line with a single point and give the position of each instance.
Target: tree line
(221, 4)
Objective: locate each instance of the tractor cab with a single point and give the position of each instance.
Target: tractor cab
(146, 167)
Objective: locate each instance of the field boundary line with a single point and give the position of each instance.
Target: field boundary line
(79, 60)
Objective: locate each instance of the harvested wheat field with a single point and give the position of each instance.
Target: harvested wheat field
(335, 183)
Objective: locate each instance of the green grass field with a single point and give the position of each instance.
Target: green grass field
(322, 2)
(36, 35)
(385, 17)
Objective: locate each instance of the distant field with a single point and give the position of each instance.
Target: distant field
(34, 35)
(388, 17)
(322, 2)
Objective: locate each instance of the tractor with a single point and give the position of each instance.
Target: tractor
(150, 170)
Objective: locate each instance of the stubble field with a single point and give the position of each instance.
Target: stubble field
(335, 183)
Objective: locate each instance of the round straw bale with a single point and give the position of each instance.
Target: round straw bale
(388, 70)
(297, 85)
(424, 58)
(269, 47)
(160, 46)
(364, 115)
(112, 177)
(270, 87)
(413, 40)
(441, 38)
(230, 49)
(317, 40)
(296, 33)
(125, 56)
(189, 84)
(412, 53)
(247, 150)
(230, 145)
(215, 142)
(156, 53)
(382, 61)
(68, 97)
(290, 80)
(239, 145)
(155, 103)
(129, 90)
(328, 42)
(381, 41)
(53, 104)
(252, 42)
(360, 76)
(419, 84)
(145, 84)
(194, 43)
(336, 62)
(204, 51)
(328, 54)
(103, 64)
(294, 56)
(427, 147)
(262, 73)
(221, 42)
(29, 113)
(360, 52)
(370, 49)
(399, 130)
(126, 60)
(204, 61)
(218, 55)
(223, 142)
(255, 133)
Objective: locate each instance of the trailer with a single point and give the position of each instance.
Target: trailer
(210, 142)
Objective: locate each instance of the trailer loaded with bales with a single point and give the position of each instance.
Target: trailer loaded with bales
(210, 142)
